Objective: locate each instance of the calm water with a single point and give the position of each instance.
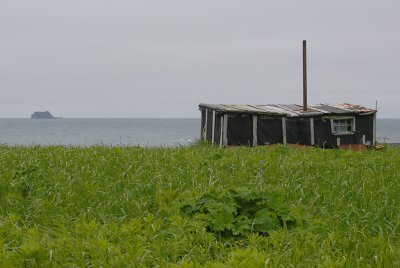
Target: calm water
(388, 130)
(143, 132)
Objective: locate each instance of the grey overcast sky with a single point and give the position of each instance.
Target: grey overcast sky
(148, 58)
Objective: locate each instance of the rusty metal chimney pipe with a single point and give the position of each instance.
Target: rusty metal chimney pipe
(304, 75)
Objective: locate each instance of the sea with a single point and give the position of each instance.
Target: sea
(126, 132)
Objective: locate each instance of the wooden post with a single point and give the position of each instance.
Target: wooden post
(254, 130)
(312, 131)
(222, 130)
(213, 127)
(284, 130)
(202, 125)
(225, 135)
(374, 130)
(205, 125)
(304, 75)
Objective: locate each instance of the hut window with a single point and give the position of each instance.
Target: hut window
(342, 125)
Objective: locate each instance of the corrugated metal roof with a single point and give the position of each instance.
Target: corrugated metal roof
(291, 110)
(330, 109)
(275, 109)
(250, 109)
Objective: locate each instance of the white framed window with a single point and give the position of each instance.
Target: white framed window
(343, 125)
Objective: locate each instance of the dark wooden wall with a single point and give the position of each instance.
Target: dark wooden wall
(269, 130)
(240, 130)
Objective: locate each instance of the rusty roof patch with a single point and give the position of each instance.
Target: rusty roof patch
(353, 107)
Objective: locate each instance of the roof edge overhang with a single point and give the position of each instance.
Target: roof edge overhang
(282, 111)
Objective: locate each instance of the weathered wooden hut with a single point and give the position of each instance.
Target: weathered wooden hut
(320, 125)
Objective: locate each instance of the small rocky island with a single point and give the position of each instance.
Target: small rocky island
(43, 115)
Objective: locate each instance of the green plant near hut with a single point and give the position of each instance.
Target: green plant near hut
(198, 206)
(237, 212)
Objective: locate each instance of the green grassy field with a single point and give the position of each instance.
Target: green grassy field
(99, 206)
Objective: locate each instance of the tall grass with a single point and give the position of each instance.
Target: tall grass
(116, 206)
